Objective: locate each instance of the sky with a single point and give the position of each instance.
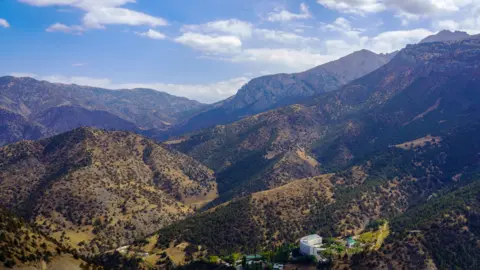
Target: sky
(207, 49)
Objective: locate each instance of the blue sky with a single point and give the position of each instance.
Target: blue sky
(207, 49)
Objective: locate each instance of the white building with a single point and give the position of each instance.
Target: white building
(311, 245)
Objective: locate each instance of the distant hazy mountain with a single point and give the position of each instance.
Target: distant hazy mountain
(446, 35)
(272, 91)
(52, 108)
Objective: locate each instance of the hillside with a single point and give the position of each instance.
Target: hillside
(56, 108)
(273, 91)
(394, 139)
(96, 190)
(431, 187)
(427, 89)
(440, 234)
(14, 127)
(22, 246)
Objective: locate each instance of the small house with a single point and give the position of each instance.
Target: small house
(311, 245)
(351, 242)
(255, 258)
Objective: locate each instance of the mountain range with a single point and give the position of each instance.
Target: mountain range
(380, 147)
(273, 91)
(333, 151)
(446, 35)
(34, 109)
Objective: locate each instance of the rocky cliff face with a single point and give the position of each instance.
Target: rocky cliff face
(446, 35)
(273, 91)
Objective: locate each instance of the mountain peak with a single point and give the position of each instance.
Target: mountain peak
(362, 52)
(446, 35)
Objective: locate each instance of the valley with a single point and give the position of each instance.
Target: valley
(377, 154)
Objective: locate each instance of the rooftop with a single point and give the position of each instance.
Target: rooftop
(253, 257)
(311, 237)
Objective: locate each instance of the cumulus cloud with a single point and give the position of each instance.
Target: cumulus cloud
(58, 27)
(233, 27)
(151, 34)
(85, 4)
(406, 11)
(101, 16)
(210, 44)
(282, 36)
(353, 39)
(208, 93)
(344, 27)
(354, 6)
(104, 12)
(395, 40)
(467, 20)
(80, 80)
(293, 60)
(4, 23)
(285, 15)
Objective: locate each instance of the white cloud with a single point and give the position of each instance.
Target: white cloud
(344, 27)
(80, 80)
(210, 44)
(354, 6)
(282, 36)
(341, 47)
(354, 39)
(467, 20)
(340, 23)
(98, 17)
(79, 64)
(425, 7)
(103, 12)
(4, 23)
(208, 93)
(446, 25)
(395, 40)
(232, 27)
(285, 15)
(83, 4)
(151, 34)
(405, 10)
(58, 27)
(292, 60)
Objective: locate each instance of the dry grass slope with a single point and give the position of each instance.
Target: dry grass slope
(97, 190)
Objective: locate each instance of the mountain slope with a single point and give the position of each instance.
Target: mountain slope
(431, 187)
(70, 106)
(427, 89)
(14, 127)
(273, 91)
(64, 118)
(97, 190)
(22, 246)
(443, 233)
